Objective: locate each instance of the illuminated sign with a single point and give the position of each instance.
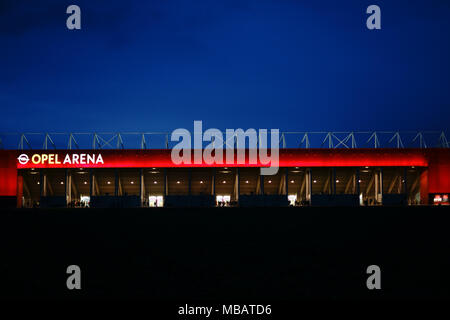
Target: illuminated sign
(162, 158)
(68, 159)
(23, 159)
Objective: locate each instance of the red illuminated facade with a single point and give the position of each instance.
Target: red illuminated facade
(434, 179)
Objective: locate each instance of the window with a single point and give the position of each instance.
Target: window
(292, 199)
(223, 200)
(85, 201)
(156, 201)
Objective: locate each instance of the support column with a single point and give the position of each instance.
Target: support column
(141, 186)
(302, 186)
(381, 186)
(378, 174)
(189, 180)
(166, 187)
(424, 186)
(286, 181)
(377, 186)
(20, 187)
(237, 185)
(91, 183)
(116, 182)
(213, 183)
(43, 183)
(75, 193)
(261, 187)
(358, 185)
(308, 185)
(258, 185)
(333, 181)
(400, 185)
(405, 185)
(68, 186)
(353, 183)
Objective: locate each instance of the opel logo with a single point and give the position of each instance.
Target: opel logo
(23, 159)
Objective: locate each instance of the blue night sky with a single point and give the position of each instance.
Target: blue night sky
(159, 65)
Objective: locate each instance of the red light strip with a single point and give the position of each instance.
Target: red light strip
(288, 158)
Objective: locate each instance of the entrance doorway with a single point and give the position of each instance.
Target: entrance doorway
(156, 201)
(292, 198)
(223, 200)
(84, 201)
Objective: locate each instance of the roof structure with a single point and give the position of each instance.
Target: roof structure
(161, 140)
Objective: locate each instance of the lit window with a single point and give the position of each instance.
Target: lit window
(292, 198)
(445, 198)
(156, 201)
(223, 200)
(85, 200)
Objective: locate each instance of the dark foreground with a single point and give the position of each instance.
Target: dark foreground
(224, 254)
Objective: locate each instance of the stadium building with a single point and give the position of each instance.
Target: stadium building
(336, 172)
